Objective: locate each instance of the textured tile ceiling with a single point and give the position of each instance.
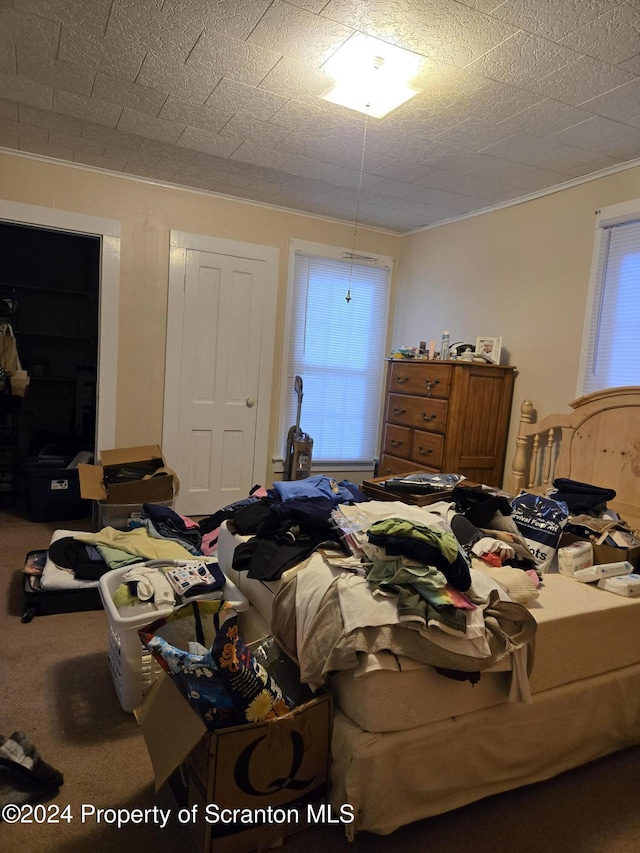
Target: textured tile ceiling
(223, 95)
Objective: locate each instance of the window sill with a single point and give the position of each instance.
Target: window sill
(329, 468)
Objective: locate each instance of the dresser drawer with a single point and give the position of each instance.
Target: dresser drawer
(397, 441)
(428, 448)
(392, 465)
(418, 412)
(428, 378)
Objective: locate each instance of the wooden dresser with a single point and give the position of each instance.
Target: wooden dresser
(446, 416)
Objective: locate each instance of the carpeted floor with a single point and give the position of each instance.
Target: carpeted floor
(56, 688)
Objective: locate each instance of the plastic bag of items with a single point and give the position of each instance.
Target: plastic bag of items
(222, 679)
(541, 521)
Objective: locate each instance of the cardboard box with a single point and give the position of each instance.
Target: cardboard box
(119, 515)
(605, 553)
(149, 490)
(271, 769)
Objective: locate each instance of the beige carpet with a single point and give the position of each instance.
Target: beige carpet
(56, 687)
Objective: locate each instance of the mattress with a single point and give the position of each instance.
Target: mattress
(582, 631)
(461, 759)
(227, 543)
(391, 700)
(384, 700)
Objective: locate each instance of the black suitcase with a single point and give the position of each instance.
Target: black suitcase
(44, 602)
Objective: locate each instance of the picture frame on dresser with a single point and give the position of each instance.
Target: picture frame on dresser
(488, 347)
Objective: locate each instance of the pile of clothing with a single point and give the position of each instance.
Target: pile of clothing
(286, 523)
(159, 534)
(164, 523)
(407, 588)
(493, 543)
(589, 515)
(24, 776)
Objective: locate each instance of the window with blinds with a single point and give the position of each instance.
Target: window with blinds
(337, 347)
(610, 345)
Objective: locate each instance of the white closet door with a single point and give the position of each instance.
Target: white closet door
(221, 325)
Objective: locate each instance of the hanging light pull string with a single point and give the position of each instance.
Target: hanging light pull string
(355, 226)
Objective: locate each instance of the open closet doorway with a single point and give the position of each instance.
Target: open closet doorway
(49, 283)
(59, 283)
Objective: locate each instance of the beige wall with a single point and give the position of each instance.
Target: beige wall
(521, 272)
(147, 213)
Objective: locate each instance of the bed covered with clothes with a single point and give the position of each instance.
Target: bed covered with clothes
(424, 726)
(545, 676)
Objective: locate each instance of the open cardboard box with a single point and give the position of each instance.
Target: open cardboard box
(160, 487)
(280, 764)
(605, 553)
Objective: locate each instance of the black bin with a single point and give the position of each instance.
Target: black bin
(53, 490)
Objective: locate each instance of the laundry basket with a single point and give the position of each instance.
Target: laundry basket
(133, 668)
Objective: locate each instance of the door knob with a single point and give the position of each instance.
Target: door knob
(250, 402)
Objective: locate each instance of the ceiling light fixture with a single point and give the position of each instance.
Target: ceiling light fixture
(371, 76)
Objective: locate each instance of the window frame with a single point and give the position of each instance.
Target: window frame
(615, 214)
(323, 250)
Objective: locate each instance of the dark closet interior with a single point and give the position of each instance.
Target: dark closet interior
(49, 289)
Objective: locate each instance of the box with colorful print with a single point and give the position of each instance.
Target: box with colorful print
(244, 731)
(249, 786)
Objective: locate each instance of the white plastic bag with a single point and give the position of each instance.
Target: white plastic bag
(540, 520)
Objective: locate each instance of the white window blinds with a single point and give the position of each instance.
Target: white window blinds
(337, 347)
(610, 348)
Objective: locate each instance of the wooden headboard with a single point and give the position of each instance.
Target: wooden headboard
(598, 443)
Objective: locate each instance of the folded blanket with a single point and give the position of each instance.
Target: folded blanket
(137, 542)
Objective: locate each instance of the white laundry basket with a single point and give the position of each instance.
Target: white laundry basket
(133, 668)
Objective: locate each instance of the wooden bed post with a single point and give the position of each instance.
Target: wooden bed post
(549, 462)
(519, 466)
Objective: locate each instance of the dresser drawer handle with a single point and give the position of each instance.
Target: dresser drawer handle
(426, 417)
(395, 443)
(431, 384)
(397, 411)
(402, 379)
(426, 452)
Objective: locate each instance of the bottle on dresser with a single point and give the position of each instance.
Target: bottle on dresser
(444, 347)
